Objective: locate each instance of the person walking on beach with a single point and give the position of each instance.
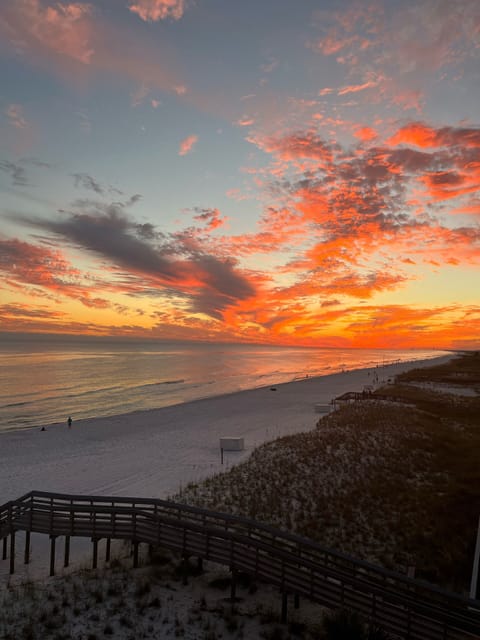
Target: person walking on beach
(69, 421)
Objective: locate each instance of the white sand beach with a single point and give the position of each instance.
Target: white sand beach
(153, 453)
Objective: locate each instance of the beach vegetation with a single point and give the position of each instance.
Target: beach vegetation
(380, 479)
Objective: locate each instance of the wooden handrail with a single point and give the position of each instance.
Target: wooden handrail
(294, 564)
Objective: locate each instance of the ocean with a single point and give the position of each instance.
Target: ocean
(44, 382)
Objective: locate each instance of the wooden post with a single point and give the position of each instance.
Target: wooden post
(27, 547)
(184, 570)
(95, 553)
(476, 561)
(5, 542)
(233, 589)
(284, 606)
(296, 601)
(66, 555)
(52, 555)
(107, 550)
(12, 552)
(135, 554)
(221, 455)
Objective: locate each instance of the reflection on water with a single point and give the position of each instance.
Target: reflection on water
(44, 383)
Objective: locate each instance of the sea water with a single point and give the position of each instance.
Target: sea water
(43, 382)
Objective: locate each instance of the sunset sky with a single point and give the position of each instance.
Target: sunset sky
(300, 172)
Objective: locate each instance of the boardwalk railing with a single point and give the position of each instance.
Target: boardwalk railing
(411, 609)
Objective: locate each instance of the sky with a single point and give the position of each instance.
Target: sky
(288, 172)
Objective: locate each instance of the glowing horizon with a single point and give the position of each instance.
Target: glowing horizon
(265, 173)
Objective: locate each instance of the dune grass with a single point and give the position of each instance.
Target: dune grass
(153, 602)
(394, 479)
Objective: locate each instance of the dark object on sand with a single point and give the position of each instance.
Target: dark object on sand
(69, 422)
(273, 388)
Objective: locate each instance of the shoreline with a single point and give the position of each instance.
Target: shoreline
(153, 453)
(90, 398)
(297, 379)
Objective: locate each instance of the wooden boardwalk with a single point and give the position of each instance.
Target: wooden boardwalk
(408, 608)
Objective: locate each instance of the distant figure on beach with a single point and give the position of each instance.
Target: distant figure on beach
(69, 422)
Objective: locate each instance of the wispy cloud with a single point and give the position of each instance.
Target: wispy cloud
(15, 171)
(42, 268)
(245, 121)
(405, 47)
(139, 95)
(87, 182)
(16, 116)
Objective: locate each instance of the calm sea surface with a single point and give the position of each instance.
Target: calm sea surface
(43, 383)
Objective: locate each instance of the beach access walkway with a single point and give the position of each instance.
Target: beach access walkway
(300, 568)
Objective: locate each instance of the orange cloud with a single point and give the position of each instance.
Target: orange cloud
(211, 217)
(245, 121)
(187, 145)
(415, 133)
(72, 40)
(403, 326)
(280, 229)
(365, 134)
(44, 269)
(153, 10)
(357, 226)
(471, 207)
(443, 185)
(355, 88)
(422, 135)
(65, 28)
(295, 146)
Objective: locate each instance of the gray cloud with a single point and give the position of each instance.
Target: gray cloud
(110, 235)
(152, 261)
(87, 182)
(221, 276)
(35, 162)
(133, 200)
(16, 172)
